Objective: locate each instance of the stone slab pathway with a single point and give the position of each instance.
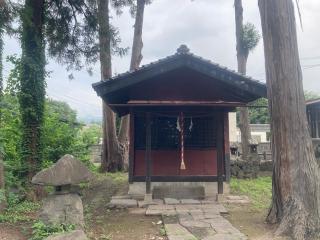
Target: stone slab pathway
(188, 219)
(194, 220)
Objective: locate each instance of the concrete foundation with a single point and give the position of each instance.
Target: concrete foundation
(137, 190)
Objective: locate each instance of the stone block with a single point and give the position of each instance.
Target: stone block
(169, 213)
(176, 230)
(208, 201)
(237, 200)
(145, 204)
(194, 223)
(190, 201)
(121, 197)
(59, 209)
(148, 197)
(66, 171)
(171, 201)
(179, 191)
(154, 210)
(123, 203)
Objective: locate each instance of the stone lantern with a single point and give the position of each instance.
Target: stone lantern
(63, 206)
(234, 149)
(253, 147)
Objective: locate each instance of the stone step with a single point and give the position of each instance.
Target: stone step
(177, 232)
(122, 203)
(179, 192)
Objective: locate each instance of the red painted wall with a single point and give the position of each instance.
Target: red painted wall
(167, 163)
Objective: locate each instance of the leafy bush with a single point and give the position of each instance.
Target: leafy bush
(18, 211)
(41, 231)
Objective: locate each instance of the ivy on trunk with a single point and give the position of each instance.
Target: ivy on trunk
(32, 83)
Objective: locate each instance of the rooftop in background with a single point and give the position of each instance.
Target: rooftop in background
(312, 101)
(260, 127)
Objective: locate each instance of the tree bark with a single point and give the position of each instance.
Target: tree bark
(32, 83)
(296, 179)
(112, 154)
(136, 58)
(242, 56)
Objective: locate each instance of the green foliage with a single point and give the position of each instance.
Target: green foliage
(309, 95)
(250, 37)
(162, 231)
(11, 139)
(91, 134)
(18, 211)
(258, 190)
(72, 31)
(260, 113)
(41, 231)
(2, 195)
(61, 134)
(60, 130)
(118, 177)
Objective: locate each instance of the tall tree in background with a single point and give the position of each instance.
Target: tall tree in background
(296, 179)
(6, 18)
(136, 57)
(69, 28)
(3, 20)
(247, 39)
(32, 81)
(112, 153)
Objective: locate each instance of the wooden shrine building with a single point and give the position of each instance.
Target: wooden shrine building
(178, 110)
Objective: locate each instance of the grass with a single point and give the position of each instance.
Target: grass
(162, 231)
(118, 177)
(259, 190)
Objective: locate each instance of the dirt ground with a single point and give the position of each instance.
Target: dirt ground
(105, 224)
(251, 222)
(11, 232)
(102, 223)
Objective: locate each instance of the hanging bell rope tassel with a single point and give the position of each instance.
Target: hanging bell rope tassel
(182, 164)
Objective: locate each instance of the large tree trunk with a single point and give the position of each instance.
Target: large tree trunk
(32, 83)
(296, 179)
(112, 154)
(242, 56)
(136, 58)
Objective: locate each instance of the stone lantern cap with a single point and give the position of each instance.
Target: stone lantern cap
(66, 171)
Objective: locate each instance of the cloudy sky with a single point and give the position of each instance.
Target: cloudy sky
(206, 26)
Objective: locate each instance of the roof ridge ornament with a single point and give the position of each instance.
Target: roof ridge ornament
(183, 49)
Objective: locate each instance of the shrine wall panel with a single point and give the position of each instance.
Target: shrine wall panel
(167, 162)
